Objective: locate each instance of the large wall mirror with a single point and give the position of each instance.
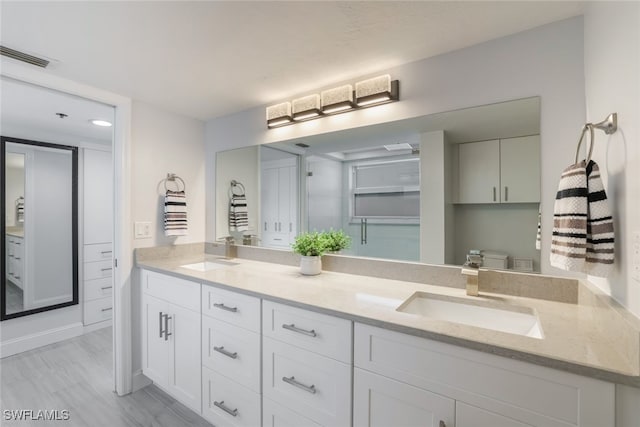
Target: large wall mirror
(429, 189)
(40, 227)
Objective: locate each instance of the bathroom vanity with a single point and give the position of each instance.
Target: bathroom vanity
(247, 343)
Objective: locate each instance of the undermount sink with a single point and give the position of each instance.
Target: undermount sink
(482, 314)
(208, 265)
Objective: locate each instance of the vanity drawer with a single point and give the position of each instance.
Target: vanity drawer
(98, 288)
(98, 310)
(98, 252)
(172, 289)
(319, 333)
(98, 270)
(275, 415)
(231, 307)
(307, 383)
(226, 403)
(232, 351)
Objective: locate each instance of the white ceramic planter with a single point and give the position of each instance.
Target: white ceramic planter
(310, 265)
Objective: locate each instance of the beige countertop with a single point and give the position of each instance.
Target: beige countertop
(15, 232)
(591, 337)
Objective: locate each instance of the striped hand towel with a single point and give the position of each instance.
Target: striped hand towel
(600, 236)
(238, 213)
(582, 224)
(175, 213)
(539, 232)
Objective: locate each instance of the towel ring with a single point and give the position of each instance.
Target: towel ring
(239, 186)
(588, 126)
(173, 178)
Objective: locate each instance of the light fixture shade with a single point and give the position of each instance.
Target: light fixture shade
(279, 114)
(306, 108)
(376, 90)
(337, 100)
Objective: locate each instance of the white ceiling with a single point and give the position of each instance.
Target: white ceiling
(29, 112)
(212, 58)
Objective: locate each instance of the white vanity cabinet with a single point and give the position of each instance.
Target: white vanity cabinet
(231, 392)
(499, 171)
(307, 367)
(395, 372)
(171, 355)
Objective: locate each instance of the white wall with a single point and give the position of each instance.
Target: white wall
(612, 84)
(163, 142)
(546, 62)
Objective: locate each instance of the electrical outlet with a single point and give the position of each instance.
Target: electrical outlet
(635, 256)
(142, 230)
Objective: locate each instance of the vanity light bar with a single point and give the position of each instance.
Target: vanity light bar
(368, 93)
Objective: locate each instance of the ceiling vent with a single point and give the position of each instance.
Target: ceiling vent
(24, 57)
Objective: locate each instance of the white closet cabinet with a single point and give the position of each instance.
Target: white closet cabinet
(279, 204)
(97, 232)
(15, 259)
(171, 336)
(414, 379)
(500, 171)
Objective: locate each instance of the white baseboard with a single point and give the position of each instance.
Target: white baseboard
(139, 381)
(99, 325)
(29, 342)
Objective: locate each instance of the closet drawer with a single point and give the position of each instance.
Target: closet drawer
(172, 289)
(98, 310)
(231, 307)
(319, 333)
(232, 351)
(98, 288)
(307, 383)
(98, 252)
(98, 270)
(226, 403)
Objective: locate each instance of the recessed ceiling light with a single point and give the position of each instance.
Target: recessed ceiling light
(103, 123)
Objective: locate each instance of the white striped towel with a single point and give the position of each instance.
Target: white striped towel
(582, 224)
(238, 213)
(175, 213)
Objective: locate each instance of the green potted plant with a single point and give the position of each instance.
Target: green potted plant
(337, 240)
(310, 246)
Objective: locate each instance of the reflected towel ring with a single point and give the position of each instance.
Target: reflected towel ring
(588, 126)
(237, 185)
(172, 177)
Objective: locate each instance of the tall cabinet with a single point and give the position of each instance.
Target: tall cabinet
(98, 237)
(279, 204)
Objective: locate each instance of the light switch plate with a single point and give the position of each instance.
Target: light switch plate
(142, 230)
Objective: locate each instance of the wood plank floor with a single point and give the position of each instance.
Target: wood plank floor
(76, 375)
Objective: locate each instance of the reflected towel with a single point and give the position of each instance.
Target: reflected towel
(238, 213)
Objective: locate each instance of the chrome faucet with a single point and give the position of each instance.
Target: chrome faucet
(230, 251)
(472, 279)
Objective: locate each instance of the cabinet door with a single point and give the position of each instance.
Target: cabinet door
(185, 370)
(292, 226)
(269, 202)
(471, 416)
(479, 172)
(154, 346)
(520, 169)
(98, 197)
(381, 402)
(284, 183)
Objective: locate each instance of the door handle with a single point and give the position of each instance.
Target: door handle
(494, 194)
(166, 327)
(506, 193)
(160, 324)
(362, 231)
(365, 231)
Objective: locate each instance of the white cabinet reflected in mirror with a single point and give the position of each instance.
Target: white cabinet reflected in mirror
(40, 227)
(429, 189)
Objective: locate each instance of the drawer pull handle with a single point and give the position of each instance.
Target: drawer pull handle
(106, 269)
(311, 389)
(104, 288)
(107, 309)
(221, 306)
(17, 257)
(221, 350)
(106, 252)
(294, 328)
(225, 408)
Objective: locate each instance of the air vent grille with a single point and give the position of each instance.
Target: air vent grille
(24, 57)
